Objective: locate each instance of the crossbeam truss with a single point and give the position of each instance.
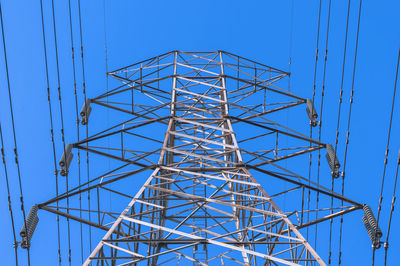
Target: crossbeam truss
(201, 203)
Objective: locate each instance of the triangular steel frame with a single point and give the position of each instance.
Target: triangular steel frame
(202, 203)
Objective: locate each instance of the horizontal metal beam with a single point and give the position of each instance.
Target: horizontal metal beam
(328, 193)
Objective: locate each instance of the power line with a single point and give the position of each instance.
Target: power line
(386, 159)
(51, 128)
(13, 125)
(62, 121)
(392, 209)
(76, 104)
(107, 84)
(291, 42)
(9, 196)
(385, 164)
(87, 128)
(321, 112)
(311, 128)
(338, 123)
(10, 209)
(351, 97)
(77, 120)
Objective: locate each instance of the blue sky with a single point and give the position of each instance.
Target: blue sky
(259, 30)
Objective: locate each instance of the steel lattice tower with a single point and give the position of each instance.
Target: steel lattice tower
(201, 203)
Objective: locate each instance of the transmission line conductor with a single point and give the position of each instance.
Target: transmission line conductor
(332, 160)
(85, 112)
(65, 160)
(29, 227)
(312, 113)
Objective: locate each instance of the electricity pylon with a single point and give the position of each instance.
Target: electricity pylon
(201, 124)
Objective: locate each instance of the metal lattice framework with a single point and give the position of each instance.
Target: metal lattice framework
(201, 202)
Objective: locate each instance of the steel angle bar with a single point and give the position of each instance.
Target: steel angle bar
(290, 155)
(150, 121)
(209, 241)
(254, 62)
(198, 69)
(159, 57)
(277, 130)
(218, 202)
(318, 188)
(210, 176)
(271, 111)
(202, 139)
(82, 188)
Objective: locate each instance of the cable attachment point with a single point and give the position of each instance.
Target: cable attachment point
(312, 113)
(85, 112)
(398, 161)
(29, 227)
(373, 230)
(332, 161)
(66, 159)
